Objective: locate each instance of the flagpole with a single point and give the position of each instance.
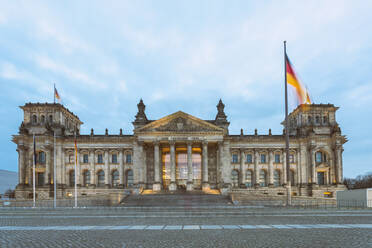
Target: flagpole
(289, 200)
(33, 173)
(55, 171)
(75, 171)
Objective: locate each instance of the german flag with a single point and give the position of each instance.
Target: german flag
(76, 150)
(301, 92)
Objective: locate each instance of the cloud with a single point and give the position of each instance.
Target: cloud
(70, 73)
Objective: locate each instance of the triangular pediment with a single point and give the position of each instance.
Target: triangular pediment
(179, 122)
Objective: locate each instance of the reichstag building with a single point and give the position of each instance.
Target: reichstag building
(178, 152)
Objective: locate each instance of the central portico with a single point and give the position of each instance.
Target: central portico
(179, 156)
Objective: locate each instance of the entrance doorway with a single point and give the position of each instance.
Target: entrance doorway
(181, 168)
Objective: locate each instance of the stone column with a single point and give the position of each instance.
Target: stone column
(121, 168)
(220, 165)
(205, 185)
(47, 167)
(21, 165)
(313, 166)
(92, 168)
(298, 168)
(339, 151)
(242, 171)
(173, 185)
(256, 170)
(284, 167)
(156, 186)
(107, 170)
(63, 169)
(271, 168)
(190, 185)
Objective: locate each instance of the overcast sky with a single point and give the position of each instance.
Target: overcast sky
(104, 56)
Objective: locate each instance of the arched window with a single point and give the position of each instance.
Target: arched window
(42, 119)
(292, 177)
(71, 177)
(309, 119)
(41, 158)
(115, 178)
(101, 178)
(34, 119)
(248, 178)
(263, 181)
(50, 119)
(129, 178)
(235, 178)
(277, 178)
(86, 177)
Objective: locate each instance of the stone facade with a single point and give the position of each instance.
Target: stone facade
(176, 152)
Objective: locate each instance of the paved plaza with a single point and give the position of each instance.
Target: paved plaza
(218, 226)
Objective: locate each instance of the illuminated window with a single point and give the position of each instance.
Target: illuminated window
(263, 180)
(196, 166)
(71, 158)
(235, 178)
(181, 172)
(291, 158)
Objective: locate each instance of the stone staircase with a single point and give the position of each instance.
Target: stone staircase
(177, 198)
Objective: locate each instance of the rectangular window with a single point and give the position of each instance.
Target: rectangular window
(100, 159)
(291, 158)
(235, 158)
(114, 159)
(277, 158)
(129, 158)
(263, 158)
(249, 158)
(85, 158)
